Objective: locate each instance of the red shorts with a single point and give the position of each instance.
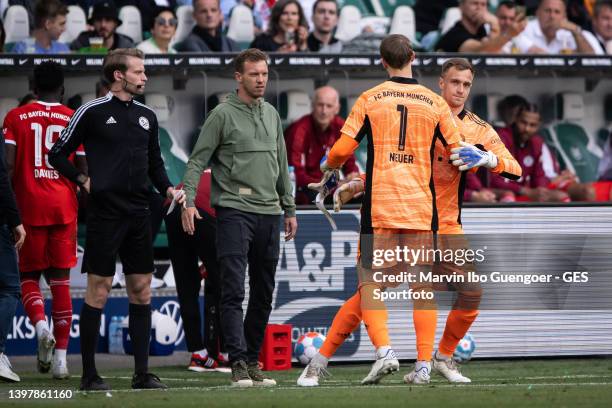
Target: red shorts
(49, 246)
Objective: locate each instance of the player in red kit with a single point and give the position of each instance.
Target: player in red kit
(48, 204)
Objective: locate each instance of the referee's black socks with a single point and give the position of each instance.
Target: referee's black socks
(89, 323)
(140, 333)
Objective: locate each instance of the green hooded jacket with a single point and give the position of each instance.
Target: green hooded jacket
(245, 149)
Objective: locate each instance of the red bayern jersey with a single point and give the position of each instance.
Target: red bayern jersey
(43, 195)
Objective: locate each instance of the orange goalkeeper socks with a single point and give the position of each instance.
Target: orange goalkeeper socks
(457, 325)
(425, 321)
(345, 322)
(374, 313)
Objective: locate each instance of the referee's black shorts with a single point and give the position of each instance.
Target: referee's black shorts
(127, 236)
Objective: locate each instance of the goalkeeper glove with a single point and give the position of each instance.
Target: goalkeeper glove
(346, 192)
(329, 180)
(469, 156)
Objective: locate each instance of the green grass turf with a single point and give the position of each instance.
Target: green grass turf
(530, 383)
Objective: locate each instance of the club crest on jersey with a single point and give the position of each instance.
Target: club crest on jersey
(144, 122)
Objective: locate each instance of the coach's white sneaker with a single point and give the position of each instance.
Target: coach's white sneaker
(59, 368)
(449, 369)
(420, 374)
(46, 344)
(386, 363)
(6, 370)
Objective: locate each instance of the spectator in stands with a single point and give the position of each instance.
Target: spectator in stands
(259, 8)
(163, 30)
(428, 14)
(507, 14)
(552, 33)
(149, 9)
(509, 108)
(526, 146)
(105, 20)
(310, 138)
(325, 20)
(601, 37)
(207, 35)
(470, 34)
(50, 23)
(476, 192)
(288, 30)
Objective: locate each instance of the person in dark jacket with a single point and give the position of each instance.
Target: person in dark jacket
(288, 29)
(120, 137)
(12, 236)
(105, 20)
(207, 35)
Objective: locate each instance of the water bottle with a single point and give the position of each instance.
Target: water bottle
(292, 178)
(115, 336)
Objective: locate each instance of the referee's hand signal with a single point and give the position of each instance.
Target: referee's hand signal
(187, 218)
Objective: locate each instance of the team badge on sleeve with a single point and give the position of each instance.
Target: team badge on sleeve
(144, 122)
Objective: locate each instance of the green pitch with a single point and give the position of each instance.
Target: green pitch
(531, 383)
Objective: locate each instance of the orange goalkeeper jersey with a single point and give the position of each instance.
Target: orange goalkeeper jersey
(450, 182)
(401, 121)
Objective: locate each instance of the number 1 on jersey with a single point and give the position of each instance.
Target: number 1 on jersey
(403, 110)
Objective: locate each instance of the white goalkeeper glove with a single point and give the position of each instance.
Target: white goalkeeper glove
(328, 182)
(469, 156)
(346, 192)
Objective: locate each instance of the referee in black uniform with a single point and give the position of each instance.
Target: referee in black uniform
(120, 136)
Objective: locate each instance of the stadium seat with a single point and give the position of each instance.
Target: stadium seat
(132, 23)
(184, 15)
(485, 106)
(451, 16)
(76, 23)
(293, 105)
(573, 142)
(376, 24)
(241, 27)
(349, 23)
(364, 6)
(16, 26)
(403, 22)
(6, 104)
(388, 7)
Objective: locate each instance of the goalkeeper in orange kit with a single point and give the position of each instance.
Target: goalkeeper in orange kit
(402, 121)
(455, 84)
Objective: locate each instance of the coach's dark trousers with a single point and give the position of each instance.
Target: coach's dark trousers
(246, 238)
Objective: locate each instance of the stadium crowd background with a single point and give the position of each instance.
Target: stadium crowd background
(565, 155)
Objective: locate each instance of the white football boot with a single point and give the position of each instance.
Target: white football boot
(420, 374)
(59, 368)
(386, 363)
(315, 370)
(449, 369)
(46, 345)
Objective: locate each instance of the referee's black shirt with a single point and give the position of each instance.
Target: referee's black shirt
(122, 146)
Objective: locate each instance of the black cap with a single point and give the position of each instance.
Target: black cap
(106, 9)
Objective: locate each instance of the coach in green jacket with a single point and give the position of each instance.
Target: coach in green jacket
(242, 141)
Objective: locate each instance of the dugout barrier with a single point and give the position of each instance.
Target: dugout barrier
(316, 273)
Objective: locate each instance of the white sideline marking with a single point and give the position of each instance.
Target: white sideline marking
(353, 386)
